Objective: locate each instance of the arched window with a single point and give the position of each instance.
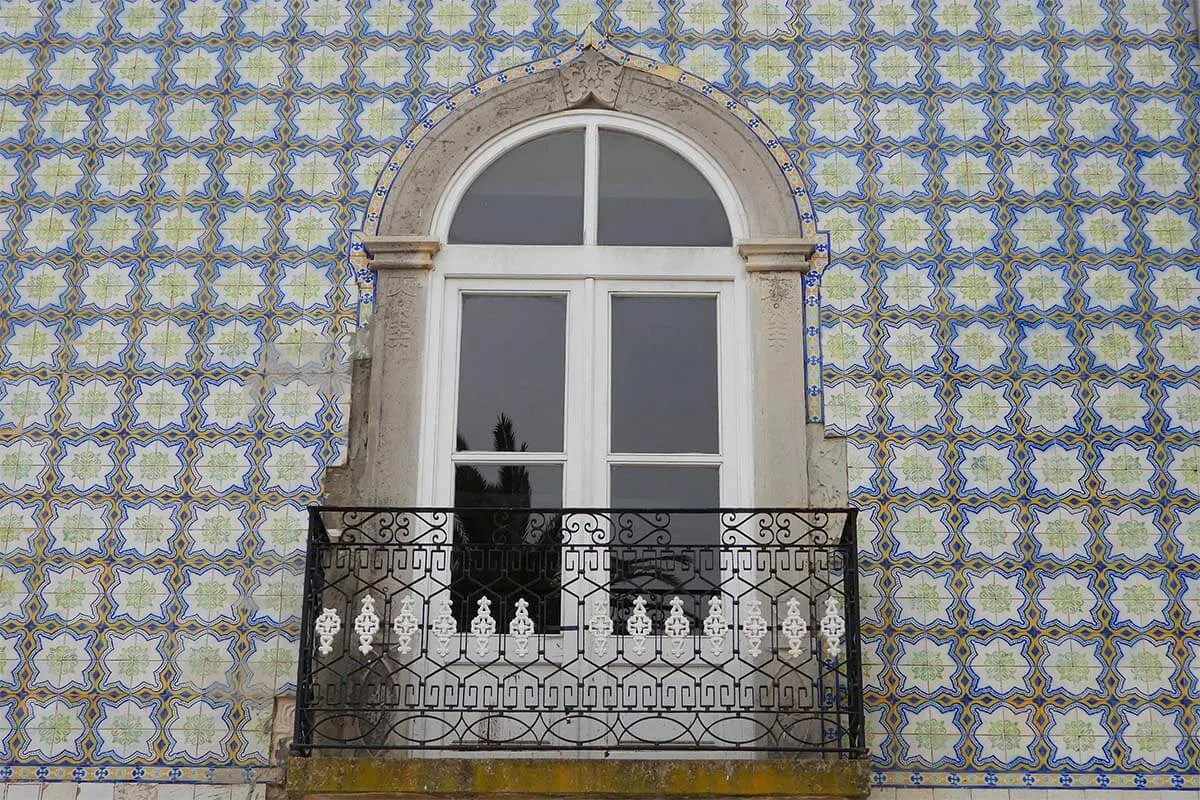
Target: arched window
(591, 184)
(573, 310)
(533, 194)
(589, 312)
(649, 195)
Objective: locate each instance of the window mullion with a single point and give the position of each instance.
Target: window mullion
(591, 183)
(667, 459)
(600, 394)
(504, 457)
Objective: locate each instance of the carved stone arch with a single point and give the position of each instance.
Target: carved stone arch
(595, 74)
(782, 251)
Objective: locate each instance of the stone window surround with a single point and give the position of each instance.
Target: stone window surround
(794, 464)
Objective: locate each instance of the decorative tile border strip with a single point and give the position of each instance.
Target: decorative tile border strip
(1033, 780)
(25, 773)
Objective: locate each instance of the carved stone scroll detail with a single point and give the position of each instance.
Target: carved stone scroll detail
(591, 77)
(401, 304)
(781, 311)
(643, 92)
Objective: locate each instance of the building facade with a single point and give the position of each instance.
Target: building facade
(998, 312)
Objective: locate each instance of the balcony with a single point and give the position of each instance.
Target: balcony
(577, 633)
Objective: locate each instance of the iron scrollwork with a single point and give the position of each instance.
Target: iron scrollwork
(581, 629)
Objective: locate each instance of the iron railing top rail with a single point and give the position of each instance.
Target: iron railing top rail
(848, 533)
(597, 509)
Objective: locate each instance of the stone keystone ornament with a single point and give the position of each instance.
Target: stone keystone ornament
(591, 77)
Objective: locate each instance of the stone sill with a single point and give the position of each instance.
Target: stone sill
(323, 778)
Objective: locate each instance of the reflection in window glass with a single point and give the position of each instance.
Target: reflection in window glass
(512, 372)
(689, 566)
(637, 486)
(510, 553)
(664, 374)
(650, 195)
(533, 194)
(508, 486)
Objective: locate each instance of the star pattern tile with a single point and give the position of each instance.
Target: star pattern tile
(1008, 337)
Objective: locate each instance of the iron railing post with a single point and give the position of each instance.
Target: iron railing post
(302, 735)
(854, 678)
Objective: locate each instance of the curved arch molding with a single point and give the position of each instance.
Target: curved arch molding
(592, 73)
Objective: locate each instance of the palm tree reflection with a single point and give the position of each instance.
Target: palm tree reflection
(505, 550)
(501, 550)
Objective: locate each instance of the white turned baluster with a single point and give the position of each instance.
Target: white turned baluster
(833, 627)
(484, 624)
(405, 626)
(366, 624)
(754, 626)
(445, 628)
(638, 625)
(327, 626)
(716, 625)
(677, 627)
(599, 628)
(795, 629)
(520, 628)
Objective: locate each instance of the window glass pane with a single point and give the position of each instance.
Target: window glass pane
(664, 374)
(502, 549)
(660, 558)
(512, 372)
(533, 194)
(650, 195)
(507, 486)
(642, 486)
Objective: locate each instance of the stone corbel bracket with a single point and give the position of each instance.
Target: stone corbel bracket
(784, 254)
(399, 252)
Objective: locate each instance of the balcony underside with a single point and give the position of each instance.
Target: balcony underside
(325, 778)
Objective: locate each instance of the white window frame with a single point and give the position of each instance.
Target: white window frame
(537, 269)
(591, 122)
(587, 456)
(586, 449)
(728, 446)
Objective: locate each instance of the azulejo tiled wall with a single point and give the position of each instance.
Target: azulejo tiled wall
(174, 197)
(1010, 339)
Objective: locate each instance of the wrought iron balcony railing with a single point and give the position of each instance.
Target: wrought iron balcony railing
(580, 629)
